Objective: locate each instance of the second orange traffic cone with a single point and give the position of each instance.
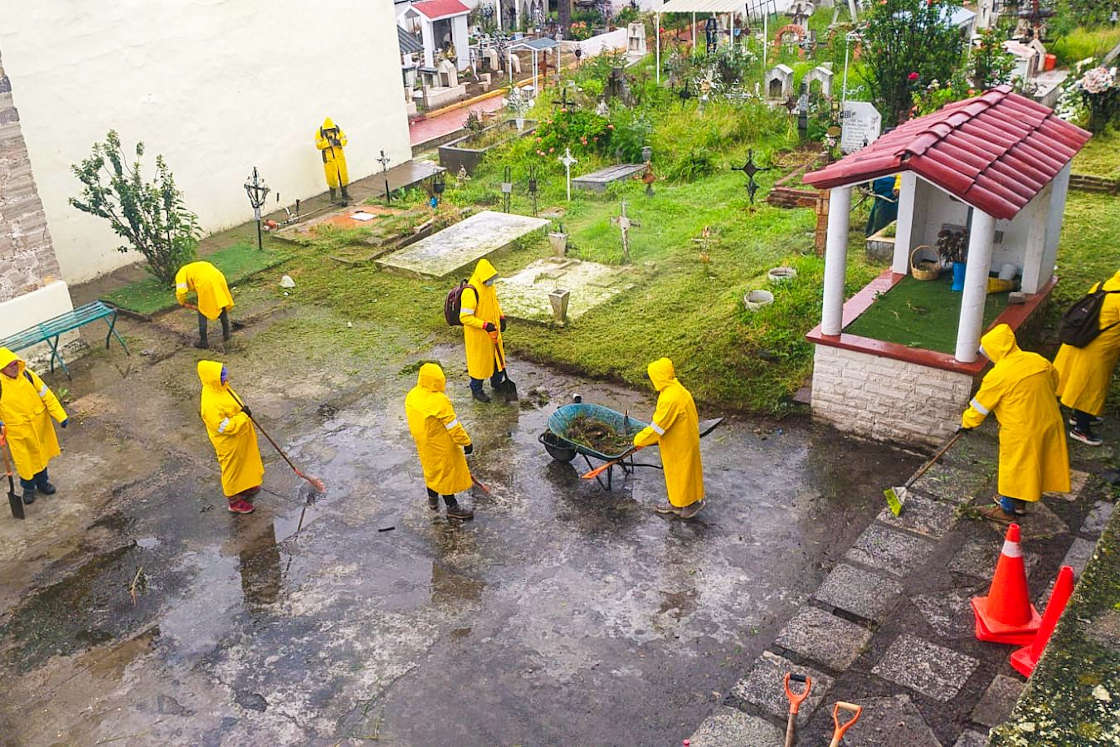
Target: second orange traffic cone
(1025, 659)
(1006, 614)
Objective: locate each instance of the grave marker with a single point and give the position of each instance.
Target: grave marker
(860, 123)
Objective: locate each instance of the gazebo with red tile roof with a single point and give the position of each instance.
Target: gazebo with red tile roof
(997, 165)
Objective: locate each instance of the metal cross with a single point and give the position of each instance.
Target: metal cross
(563, 102)
(567, 159)
(507, 188)
(624, 223)
(384, 161)
(533, 186)
(750, 169)
(790, 104)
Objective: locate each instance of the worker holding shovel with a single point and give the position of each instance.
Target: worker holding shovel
(26, 408)
(675, 427)
(230, 428)
(214, 298)
(441, 441)
(483, 324)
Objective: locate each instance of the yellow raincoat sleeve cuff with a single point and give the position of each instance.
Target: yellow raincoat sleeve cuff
(974, 415)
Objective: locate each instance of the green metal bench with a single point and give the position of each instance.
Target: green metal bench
(50, 330)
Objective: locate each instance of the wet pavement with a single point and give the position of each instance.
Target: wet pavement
(561, 613)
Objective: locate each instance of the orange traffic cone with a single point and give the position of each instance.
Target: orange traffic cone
(1024, 659)
(1006, 615)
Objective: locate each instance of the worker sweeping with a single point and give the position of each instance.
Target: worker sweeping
(1084, 373)
(330, 141)
(1033, 458)
(233, 436)
(214, 298)
(26, 408)
(675, 427)
(441, 441)
(483, 325)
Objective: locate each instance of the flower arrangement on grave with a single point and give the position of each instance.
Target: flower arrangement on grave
(1100, 92)
(577, 129)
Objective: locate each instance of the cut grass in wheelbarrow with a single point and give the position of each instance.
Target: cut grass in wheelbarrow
(596, 434)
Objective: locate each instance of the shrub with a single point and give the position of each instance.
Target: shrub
(696, 163)
(577, 129)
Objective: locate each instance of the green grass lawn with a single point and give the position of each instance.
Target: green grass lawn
(237, 262)
(1101, 155)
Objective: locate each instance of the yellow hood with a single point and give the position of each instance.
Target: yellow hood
(328, 124)
(998, 343)
(7, 356)
(483, 271)
(210, 373)
(431, 378)
(661, 373)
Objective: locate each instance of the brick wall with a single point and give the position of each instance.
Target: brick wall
(27, 258)
(886, 399)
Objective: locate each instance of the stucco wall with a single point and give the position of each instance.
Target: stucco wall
(216, 86)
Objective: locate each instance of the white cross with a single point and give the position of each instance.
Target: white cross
(567, 159)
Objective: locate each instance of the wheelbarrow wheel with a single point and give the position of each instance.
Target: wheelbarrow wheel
(556, 447)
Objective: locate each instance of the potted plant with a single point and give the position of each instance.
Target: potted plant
(953, 248)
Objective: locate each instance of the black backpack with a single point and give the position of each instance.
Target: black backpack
(1082, 323)
(454, 303)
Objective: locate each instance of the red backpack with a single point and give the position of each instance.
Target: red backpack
(453, 304)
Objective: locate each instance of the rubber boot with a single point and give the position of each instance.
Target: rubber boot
(225, 325)
(47, 489)
(332, 190)
(28, 496)
(345, 196)
(202, 343)
(456, 511)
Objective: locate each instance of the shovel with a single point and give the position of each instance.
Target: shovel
(14, 501)
(795, 700)
(838, 732)
(508, 388)
(897, 494)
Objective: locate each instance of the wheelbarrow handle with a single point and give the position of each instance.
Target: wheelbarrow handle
(604, 467)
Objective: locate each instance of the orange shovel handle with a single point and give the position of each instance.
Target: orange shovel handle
(838, 734)
(795, 699)
(604, 467)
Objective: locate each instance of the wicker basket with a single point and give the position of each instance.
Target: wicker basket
(925, 263)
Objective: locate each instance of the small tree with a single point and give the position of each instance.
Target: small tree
(907, 43)
(990, 65)
(150, 216)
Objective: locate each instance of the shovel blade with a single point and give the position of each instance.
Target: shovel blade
(16, 504)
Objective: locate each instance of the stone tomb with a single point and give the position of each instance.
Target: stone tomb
(779, 82)
(597, 181)
(524, 295)
(459, 246)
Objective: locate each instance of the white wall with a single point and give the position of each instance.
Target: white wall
(216, 86)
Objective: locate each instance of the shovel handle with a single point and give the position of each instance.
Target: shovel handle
(604, 467)
(795, 699)
(851, 708)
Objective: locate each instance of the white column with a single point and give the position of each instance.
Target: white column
(460, 37)
(1058, 194)
(982, 233)
(1036, 214)
(836, 260)
(426, 36)
(657, 35)
(904, 231)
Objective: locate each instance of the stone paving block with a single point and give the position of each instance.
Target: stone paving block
(922, 515)
(763, 686)
(893, 720)
(934, 671)
(1039, 523)
(1095, 522)
(1077, 557)
(953, 483)
(949, 612)
(860, 592)
(1077, 480)
(728, 727)
(828, 639)
(889, 550)
(971, 738)
(997, 701)
(977, 558)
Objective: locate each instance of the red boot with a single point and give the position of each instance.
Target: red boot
(238, 505)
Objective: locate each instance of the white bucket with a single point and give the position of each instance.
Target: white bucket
(756, 299)
(781, 274)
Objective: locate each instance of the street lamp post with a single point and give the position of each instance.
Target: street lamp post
(257, 191)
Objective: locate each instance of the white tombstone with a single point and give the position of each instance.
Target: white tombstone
(779, 82)
(986, 16)
(636, 39)
(490, 55)
(515, 64)
(860, 124)
(448, 76)
(822, 74)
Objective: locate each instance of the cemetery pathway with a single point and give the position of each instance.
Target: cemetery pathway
(425, 130)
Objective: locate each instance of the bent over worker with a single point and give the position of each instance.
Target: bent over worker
(675, 427)
(330, 141)
(232, 434)
(214, 299)
(1033, 458)
(1084, 373)
(441, 441)
(26, 408)
(483, 325)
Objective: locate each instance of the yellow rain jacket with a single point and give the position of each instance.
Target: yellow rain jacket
(26, 408)
(334, 160)
(676, 428)
(1085, 373)
(208, 282)
(438, 433)
(479, 306)
(230, 431)
(1019, 389)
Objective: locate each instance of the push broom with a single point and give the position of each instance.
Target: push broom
(896, 495)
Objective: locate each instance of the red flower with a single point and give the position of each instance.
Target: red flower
(913, 76)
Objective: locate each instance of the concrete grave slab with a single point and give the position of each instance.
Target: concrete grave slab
(820, 636)
(922, 515)
(524, 294)
(1077, 480)
(953, 483)
(461, 245)
(971, 738)
(977, 558)
(728, 726)
(860, 592)
(1039, 523)
(353, 216)
(1095, 522)
(889, 550)
(997, 701)
(893, 720)
(949, 612)
(763, 686)
(597, 181)
(934, 671)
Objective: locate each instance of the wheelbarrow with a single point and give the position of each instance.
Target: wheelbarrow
(560, 448)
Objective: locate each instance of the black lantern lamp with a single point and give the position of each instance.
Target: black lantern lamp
(257, 191)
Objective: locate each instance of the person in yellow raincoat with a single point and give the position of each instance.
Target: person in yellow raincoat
(232, 434)
(26, 408)
(1084, 373)
(330, 140)
(214, 298)
(675, 427)
(441, 441)
(483, 325)
(1033, 458)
